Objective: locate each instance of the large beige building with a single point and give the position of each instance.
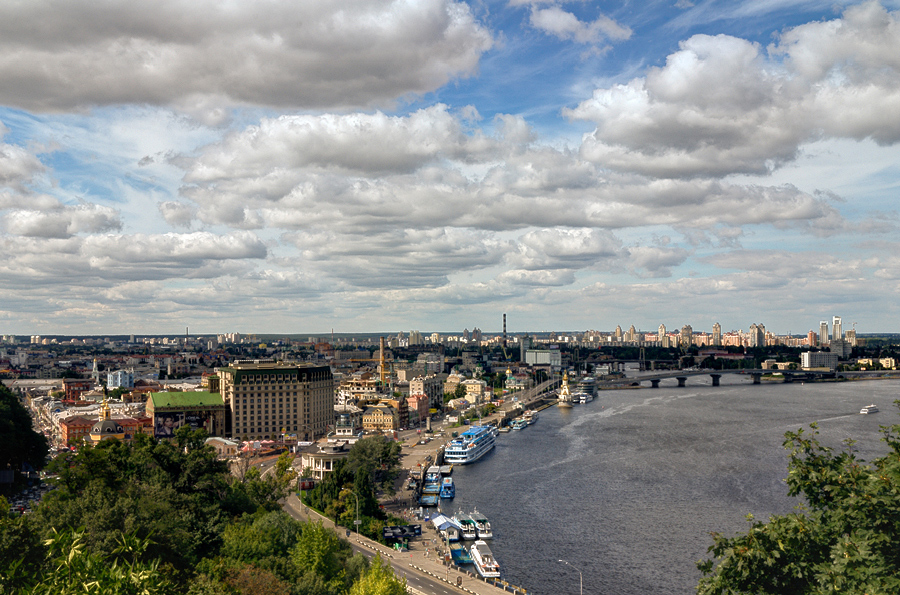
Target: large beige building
(267, 399)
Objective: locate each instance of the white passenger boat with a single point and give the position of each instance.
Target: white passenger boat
(518, 423)
(585, 397)
(471, 445)
(869, 409)
(482, 525)
(530, 416)
(469, 530)
(484, 560)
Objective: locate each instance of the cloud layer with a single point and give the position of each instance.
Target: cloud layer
(199, 55)
(723, 105)
(266, 169)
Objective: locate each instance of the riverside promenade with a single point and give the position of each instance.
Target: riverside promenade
(421, 565)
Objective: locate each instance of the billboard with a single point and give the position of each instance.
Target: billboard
(165, 424)
(199, 420)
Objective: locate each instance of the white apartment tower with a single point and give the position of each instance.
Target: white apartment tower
(823, 333)
(717, 334)
(757, 335)
(836, 333)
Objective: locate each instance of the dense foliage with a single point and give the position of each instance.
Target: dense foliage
(168, 517)
(19, 443)
(845, 540)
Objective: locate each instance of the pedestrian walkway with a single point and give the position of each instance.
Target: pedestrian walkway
(425, 554)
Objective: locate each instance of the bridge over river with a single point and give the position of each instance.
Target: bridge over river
(545, 393)
(787, 376)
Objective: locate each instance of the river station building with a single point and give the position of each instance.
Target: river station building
(268, 399)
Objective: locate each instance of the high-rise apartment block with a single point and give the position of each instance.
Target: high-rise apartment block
(717, 335)
(267, 399)
(687, 336)
(757, 336)
(836, 333)
(823, 333)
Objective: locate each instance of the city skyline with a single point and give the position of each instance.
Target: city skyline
(755, 333)
(362, 166)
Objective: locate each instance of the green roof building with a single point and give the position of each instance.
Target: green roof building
(200, 409)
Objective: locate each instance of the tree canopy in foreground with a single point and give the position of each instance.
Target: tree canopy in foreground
(167, 517)
(846, 539)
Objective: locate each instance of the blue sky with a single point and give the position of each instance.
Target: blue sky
(380, 166)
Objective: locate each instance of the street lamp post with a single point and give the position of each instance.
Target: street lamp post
(580, 577)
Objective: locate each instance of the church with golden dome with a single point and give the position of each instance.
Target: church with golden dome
(106, 428)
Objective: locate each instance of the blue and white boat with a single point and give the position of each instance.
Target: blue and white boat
(448, 489)
(518, 423)
(429, 500)
(471, 445)
(432, 483)
(460, 554)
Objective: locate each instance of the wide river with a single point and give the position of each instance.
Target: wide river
(627, 488)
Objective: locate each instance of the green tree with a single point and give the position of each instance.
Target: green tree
(19, 443)
(377, 457)
(845, 542)
(320, 553)
(74, 569)
(379, 580)
(20, 549)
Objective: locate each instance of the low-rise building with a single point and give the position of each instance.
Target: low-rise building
(475, 390)
(322, 461)
(120, 379)
(381, 417)
(818, 360)
(75, 429)
(224, 447)
(199, 409)
(418, 406)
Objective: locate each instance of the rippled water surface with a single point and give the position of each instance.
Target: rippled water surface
(627, 488)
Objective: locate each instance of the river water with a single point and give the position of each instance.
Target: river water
(627, 488)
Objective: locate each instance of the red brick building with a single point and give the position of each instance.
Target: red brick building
(74, 387)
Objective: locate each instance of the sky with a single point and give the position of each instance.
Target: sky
(384, 166)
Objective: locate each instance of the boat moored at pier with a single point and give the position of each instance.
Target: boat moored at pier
(471, 445)
(448, 489)
(465, 521)
(484, 561)
(482, 526)
(518, 423)
(459, 554)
